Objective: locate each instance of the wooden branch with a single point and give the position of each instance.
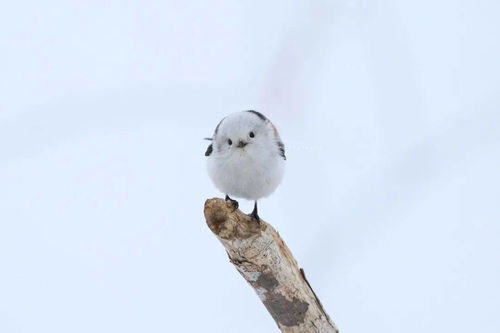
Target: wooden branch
(263, 259)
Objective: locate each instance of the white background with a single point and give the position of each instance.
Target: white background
(390, 112)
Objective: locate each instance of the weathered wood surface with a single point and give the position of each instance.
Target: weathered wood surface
(263, 259)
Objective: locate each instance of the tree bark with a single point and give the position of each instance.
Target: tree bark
(263, 259)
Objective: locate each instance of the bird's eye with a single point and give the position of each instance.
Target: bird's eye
(252, 134)
(229, 142)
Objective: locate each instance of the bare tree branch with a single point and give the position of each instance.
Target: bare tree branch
(263, 259)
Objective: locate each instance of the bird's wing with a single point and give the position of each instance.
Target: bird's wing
(209, 150)
(281, 147)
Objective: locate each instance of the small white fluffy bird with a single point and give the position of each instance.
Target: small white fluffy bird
(246, 158)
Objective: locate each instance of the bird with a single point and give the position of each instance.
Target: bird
(246, 157)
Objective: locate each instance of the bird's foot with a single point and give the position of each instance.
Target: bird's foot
(255, 217)
(233, 202)
(254, 214)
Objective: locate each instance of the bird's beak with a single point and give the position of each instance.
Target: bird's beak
(242, 144)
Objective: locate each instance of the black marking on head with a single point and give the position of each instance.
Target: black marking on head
(258, 114)
(218, 125)
(209, 150)
(281, 148)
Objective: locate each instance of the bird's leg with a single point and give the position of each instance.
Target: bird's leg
(233, 202)
(254, 214)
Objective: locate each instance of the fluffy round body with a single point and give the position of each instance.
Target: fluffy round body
(246, 158)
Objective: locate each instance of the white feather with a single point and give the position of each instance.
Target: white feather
(251, 172)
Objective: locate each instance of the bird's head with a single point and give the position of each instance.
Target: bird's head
(244, 133)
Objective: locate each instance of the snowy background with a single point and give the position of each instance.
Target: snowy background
(390, 112)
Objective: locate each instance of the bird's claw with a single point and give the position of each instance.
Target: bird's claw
(255, 217)
(233, 202)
